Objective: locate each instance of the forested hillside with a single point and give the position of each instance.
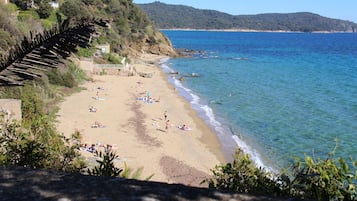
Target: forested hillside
(183, 17)
(130, 28)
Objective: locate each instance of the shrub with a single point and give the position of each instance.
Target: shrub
(25, 14)
(131, 174)
(85, 52)
(243, 176)
(68, 77)
(35, 141)
(44, 10)
(328, 179)
(112, 58)
(106, 166)
(19, 148)
(37, 148)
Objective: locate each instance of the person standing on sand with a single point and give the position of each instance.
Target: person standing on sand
(167, 125)
(165, 115)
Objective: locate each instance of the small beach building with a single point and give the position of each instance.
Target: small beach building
(54, 4)
(104, 48)
(4, 1)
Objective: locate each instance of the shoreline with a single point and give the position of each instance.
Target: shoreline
(255, 31)
(137, 130)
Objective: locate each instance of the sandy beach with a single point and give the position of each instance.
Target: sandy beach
(136, 129)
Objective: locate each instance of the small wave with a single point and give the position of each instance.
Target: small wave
(164, 60)
(216, 102)
(208, 115)
(253, 154)
(194, 99)
(166, 68)
(240, 58)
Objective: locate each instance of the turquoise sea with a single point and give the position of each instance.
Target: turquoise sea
(276, 95)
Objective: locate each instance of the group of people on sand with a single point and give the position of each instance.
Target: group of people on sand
(92, 148)
(148, 99)
(96, 124)
(168, 124)
(97, 147)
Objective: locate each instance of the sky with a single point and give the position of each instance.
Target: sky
(339, 9)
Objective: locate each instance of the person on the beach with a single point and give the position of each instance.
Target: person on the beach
(92, 148)
(97, 124)
(167, 125)
(165, 115)
(92, 109)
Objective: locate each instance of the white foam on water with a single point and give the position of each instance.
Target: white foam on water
(207, 114)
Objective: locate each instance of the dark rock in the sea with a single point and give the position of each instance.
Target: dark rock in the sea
(188, 53)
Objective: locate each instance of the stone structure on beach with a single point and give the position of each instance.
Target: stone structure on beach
(10, 109)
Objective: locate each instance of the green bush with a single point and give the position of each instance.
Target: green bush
(67, 77)
(26, 14)
(324, 179)
(85, 52)
(19, 148)
(37, 144)
(131, 174)
(112, 58)
(44, 10)
(106, 166)
(328, 179)
(243, 176)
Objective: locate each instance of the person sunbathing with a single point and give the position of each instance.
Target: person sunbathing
(92, 109)
(92, 148)
(184, 127)
(98, 125)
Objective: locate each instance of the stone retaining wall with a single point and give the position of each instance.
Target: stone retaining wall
(11, 109)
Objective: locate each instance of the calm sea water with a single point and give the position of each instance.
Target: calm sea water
(276, 95)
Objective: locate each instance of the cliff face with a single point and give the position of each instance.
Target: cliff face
(158, 44)
(130, 29)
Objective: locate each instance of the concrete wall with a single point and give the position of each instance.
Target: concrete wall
(89, 67)
(4, 1)
(11, 109)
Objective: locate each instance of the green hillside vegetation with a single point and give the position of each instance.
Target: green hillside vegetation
(34, 141)
(167, 16)
(131, 30)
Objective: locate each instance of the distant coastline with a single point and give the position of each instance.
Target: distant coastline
(180, 17)
(252, 30)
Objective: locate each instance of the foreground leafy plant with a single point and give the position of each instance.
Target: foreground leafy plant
(131, 174)
(243, 176)
(26, 148)
(106, 166)
(328, 179)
